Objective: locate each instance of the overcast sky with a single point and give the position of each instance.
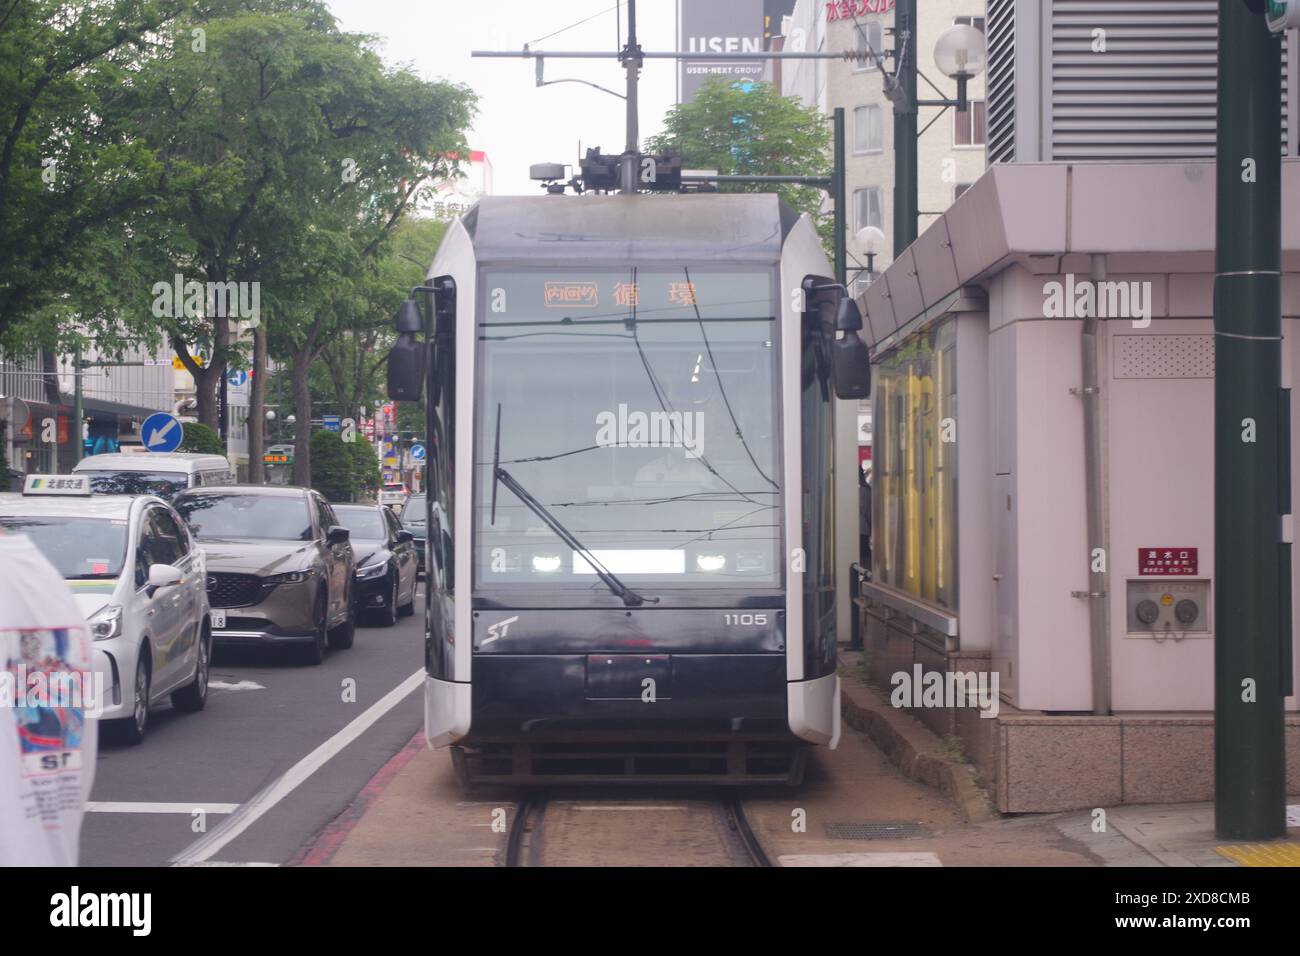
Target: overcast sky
(518, 123)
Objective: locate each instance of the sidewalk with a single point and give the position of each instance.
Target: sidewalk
(1170, 834)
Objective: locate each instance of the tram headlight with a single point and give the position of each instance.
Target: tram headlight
(546, 563)
(710, 562)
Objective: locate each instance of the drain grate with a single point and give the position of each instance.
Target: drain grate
(875, 831)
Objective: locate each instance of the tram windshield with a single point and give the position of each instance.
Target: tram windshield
(639, 406)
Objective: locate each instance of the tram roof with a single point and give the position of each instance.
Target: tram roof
(693, 227)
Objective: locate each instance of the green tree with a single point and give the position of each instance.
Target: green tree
(331, 465)
(202, 439)
(752, 131)
(73, 182)
(365, 466)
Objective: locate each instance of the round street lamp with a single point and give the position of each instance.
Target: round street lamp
(961, 53)
(872, 240)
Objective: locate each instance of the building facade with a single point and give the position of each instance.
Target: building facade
(951, 151)
(988, 491)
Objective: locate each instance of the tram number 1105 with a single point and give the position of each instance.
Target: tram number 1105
(744, 620)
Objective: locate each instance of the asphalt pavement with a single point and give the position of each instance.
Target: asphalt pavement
(279, 751)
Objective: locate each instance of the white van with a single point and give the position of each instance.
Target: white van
(165, 474)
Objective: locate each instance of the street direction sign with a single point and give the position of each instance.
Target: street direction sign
(333, 423)
(417, 452)
(237, 377)
(161, 431)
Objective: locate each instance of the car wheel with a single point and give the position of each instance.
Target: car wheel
(341, 637)
(388, 616)
(131, 729)
(193, 696)
(315, 651)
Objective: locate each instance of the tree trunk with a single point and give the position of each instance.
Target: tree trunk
(300, 374)
(256, 407)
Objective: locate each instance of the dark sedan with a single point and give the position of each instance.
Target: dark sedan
(385, 582)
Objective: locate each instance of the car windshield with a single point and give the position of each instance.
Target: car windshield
(78, 547)
(413, 511)
(275, 517)
(366, 524)
(164, 484)
(657, 446)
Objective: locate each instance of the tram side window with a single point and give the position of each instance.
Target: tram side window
(914, 480)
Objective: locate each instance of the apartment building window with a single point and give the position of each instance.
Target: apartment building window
(870, 211)
(976, 22)
(867, 129)
(869, 32)
(971, 125)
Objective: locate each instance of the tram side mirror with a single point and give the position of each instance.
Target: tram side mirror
(850, 361)
(851, 367)
(406, 357)
(847, 316)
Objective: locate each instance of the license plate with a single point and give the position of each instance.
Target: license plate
(218, 619)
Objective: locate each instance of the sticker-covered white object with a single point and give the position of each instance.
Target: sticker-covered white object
(48, 735)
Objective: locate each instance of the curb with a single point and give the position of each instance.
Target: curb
(912, 748)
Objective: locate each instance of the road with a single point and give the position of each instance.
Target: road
(243, 742)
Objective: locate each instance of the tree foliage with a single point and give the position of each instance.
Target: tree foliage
(365, 467)
(751, 129)
(201, 439)
(332, 470)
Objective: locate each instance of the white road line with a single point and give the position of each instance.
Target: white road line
(110, 806)
(249, 813)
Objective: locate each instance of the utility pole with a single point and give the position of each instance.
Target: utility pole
(632, 60)
(1252, 448)
(78, 408)
(905, 140)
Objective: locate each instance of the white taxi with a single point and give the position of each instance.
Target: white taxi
(141, 583)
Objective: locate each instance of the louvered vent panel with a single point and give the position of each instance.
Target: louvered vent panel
(1151, 94)
(1001, 33)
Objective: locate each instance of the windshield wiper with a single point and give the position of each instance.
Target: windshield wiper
(499, 475)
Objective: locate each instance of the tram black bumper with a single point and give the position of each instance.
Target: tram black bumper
(705, 718)
(621, 694)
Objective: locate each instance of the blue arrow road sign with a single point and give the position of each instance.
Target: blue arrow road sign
(161, 432)
(417, 452)
(238, 377)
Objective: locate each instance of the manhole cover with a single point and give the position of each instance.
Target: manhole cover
(875, 831)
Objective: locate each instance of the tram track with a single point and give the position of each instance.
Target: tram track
(573, 830)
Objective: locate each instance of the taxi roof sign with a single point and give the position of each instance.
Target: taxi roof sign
(57, 485)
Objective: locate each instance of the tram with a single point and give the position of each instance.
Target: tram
(631, 523)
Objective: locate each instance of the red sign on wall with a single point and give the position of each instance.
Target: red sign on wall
(1167, 562)
(848, 9)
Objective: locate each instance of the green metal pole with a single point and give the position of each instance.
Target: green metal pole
(78, 406)
(841, 200)
(906, 201)
(1249, 762)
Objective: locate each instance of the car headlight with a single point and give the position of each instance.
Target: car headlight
(106, 623)
(546, 563)
(291, 577)
(370, 571)
(710, 562)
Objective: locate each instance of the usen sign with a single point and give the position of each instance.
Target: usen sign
(718, 26)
